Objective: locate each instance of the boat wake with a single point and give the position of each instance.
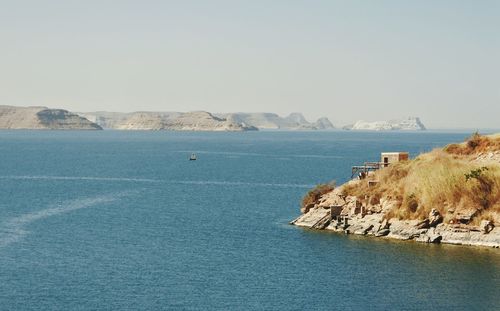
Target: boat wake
(14, 229)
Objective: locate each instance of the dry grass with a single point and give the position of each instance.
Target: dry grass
(438, 180)
(475, 144)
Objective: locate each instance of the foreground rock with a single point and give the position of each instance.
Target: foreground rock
(337, 213)
(447, 195)
(37, 118)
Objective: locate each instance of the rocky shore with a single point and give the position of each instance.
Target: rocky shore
(348, 215)
(449, 195)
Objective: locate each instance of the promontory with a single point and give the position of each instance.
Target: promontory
(449, 195)
(43, 118)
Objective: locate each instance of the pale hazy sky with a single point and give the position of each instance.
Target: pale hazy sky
(346, 60)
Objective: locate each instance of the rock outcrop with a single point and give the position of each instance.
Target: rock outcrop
(409, 124)
(443, 196)
(358, 218)
(323, 124)
(43, 118)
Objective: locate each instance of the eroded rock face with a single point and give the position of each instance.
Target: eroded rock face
(465, 216)
(43, 118)
(435, 218)
(411, 123)
(325, 214)
(189, 121)
(492, 156)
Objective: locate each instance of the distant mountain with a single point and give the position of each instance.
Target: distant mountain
(203, 121)
(323, 124)
(38, 118)
(175, 121)
(268, 121)
(409, 124)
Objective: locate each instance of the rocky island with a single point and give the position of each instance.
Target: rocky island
(409, 124)
(449, 195)
(43, 118)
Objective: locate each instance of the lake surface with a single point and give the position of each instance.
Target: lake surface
(122, 220)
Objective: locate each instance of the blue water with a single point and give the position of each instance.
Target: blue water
(122, 220)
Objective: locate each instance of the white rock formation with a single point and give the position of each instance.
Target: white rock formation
(204, 121)
(272, 121)
(12, 117)
(409, 124)
(323, 124)
(175, 121)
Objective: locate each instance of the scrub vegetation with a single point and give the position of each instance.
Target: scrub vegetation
(454, 180)
(315, 194)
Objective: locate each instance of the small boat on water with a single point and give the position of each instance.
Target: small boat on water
(192, 157)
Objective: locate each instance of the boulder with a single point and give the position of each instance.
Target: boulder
(486, 226)
(424, 224)
(361, 228)
(435, 238)
(464, 216)
(382, 232)
(331, 199)
(385, 224)
(312, 218)
(435, 218)
(405, 229)
(431, 236)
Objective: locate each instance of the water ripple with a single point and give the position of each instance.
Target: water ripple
(146, 180)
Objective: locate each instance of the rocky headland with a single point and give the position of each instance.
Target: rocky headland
(43, 118)
(409, 124)
(449, 195)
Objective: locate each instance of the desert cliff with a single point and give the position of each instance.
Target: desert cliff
(43, 118)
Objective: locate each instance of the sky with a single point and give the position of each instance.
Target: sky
(346, 60)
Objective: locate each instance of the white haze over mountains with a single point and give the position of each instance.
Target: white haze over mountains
(12, 117)
(346, 60)
(201, 120)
